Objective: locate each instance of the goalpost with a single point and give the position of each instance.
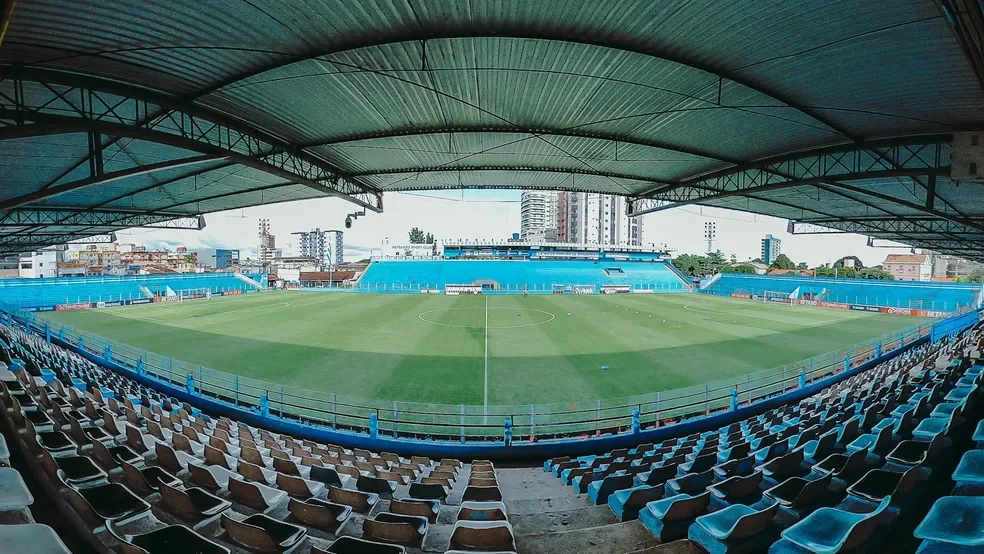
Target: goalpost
(192, 294)
(777, 296)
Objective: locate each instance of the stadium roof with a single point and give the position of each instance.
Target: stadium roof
(121, 113)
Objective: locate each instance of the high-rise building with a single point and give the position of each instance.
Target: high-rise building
(771, 248)
(268, 244)
(538, 216)
(327, 247)
(603, 219)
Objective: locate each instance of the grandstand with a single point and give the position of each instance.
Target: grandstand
(543, 276)
(85, 292)
(940, 297)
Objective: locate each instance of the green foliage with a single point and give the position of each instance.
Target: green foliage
(745, 268)
(417, 236)
(976, 276)
(689, 264)
(429, 239)
(783, 262)
(802, 265)
(872, 273)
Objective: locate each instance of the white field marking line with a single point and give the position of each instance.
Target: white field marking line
(485, 403)
(135, 316)
(421, 317)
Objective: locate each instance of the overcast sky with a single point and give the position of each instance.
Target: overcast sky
(493, 215)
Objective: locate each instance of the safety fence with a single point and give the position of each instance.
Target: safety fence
(466, 423)
(900, 304)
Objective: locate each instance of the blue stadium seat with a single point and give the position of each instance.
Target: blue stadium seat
(626, 503)
(970, 471)
(737, 529)
(599, 491)
(829, 530)
(954, 525)
(669, 518)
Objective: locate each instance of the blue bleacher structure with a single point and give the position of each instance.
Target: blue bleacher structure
(32, 293)
(517, 275)
(944, 297)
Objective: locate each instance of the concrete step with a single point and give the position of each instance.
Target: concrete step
(563, 520)
(607, 539)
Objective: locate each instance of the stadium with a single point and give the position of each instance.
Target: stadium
(525, 396)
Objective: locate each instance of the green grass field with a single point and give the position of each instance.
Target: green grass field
(441, 349)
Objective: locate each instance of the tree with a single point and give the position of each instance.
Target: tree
(715, 261)
(689, 264)
(802, 265)
(782, 262)
(872, 273)
(976, 276)
(417, 236)
(758, 261)
(429, 239)
(745, 268)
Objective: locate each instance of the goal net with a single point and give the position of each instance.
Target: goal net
(777, 296)
(192, 294)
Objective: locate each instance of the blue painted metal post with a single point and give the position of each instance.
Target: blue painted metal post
(81, 343)
(107, 354)
(141, 370)
(507, 432)
(847, 361)
(636, 421)
(462, 424)
(61, 334)
(47, 333)
(190, 383)
(373, 425)
(334, 412)
(237, 391)
(734, 399)
(264, 405)
(878, 350)
(396, 419)
(802, 379)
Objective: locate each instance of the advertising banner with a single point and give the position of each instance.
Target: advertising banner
(615, 289)
(137, 301)
(73, 306)
(860, 308)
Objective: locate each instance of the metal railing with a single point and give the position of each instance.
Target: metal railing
(462, 422)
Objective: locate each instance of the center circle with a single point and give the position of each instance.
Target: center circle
(528, 317)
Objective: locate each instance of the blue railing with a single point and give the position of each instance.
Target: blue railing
(472, 423)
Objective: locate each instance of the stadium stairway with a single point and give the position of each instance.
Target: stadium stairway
(140, 472)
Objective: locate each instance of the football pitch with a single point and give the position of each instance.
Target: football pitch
(466, 349)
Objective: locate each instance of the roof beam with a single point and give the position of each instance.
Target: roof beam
(95, 106)
(551, 132)
(71, 217)
(523, 169)
(541, 33)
